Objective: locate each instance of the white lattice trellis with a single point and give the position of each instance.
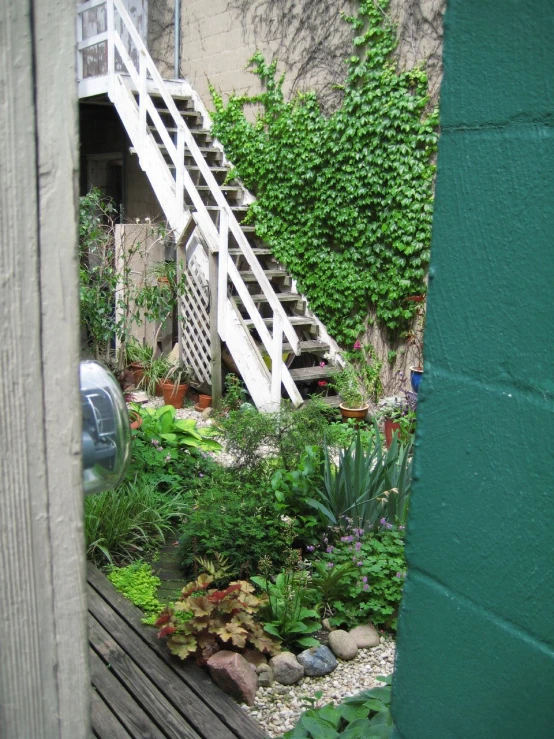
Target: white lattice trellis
(195, 333)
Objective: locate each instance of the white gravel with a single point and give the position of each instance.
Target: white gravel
(278, 708)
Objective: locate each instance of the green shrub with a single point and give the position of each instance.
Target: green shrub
(123, 524)
(138, 583)
(235, 519)
(374, 587)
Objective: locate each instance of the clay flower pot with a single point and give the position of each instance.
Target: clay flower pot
(137, 368)
(204, 401)
(135, 420)
(174, 395)
(358, 414)
(391, 425)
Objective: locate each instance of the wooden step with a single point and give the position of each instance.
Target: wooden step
(331, 400)
(283, 297)
(295, 321)
(259, 251)
(269, 273)
(311, 346)
(306, 374)
(186, 113)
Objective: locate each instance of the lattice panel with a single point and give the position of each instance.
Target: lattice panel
(195, 333)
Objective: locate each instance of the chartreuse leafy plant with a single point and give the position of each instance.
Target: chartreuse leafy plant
(205, 620)
(138, 583)
(363, 716)
(344, 201)
(160, 427)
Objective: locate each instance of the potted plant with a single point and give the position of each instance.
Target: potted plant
(155, 373)
(347, 385)
(415, 339)
(175, 385)
(398, 416)
(138, 356)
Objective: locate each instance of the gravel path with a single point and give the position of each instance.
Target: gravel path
(277, 708)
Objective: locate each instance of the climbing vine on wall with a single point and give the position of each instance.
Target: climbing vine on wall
(344, 201)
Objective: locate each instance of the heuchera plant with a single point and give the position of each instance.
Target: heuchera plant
(205, 620)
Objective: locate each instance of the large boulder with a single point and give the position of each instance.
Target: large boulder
(234, 675)
(317, 661)
(286, 668)
(365, 636)
(342, 644)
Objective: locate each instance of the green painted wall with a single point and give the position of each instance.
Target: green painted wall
(476, 637)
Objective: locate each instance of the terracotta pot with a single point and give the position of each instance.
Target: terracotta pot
(138, 372)
(159, 390)
(174, 395)
(390, 427)
(204, 401)
(135, 419)
(358, 414)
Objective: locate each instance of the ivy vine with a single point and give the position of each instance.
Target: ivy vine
(343, 201)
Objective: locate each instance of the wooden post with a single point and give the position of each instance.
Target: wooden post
(215, 342)
(44, 679)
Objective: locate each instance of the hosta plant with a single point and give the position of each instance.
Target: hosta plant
(205, 620)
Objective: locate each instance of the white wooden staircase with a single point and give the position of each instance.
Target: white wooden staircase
(238, 293)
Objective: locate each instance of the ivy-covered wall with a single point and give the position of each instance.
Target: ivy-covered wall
(475, 642)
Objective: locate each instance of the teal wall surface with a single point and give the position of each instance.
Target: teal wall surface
(476, 635)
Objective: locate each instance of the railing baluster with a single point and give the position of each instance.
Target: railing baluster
(222, 271)
(143, 94)
(277, 358)
(110, 27)
(180, 169)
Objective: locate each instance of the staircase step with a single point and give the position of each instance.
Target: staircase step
(258, 251)
(295, 321)
(312, 346)
(331, 400)
(269, 273)
(283, 297)
(185, 112)
(305, 374)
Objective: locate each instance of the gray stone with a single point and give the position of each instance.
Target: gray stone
(234, 675)
(326, 625)
(206, 413)
(265, 676)
(365, 636)
(342, 644)
(286, 668)
(317, 661)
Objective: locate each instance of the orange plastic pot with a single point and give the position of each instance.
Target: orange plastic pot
(173, 395)
(135, 420)
(204, 401)
(138, 372)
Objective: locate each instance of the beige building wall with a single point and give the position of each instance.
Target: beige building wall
(308, 37)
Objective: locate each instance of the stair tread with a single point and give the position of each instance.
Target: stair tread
(311, 345)
(295, 321)
(188, 112)
(332, 400)
(260, 251)
(312, 373)
(261, 298)
(269, 273)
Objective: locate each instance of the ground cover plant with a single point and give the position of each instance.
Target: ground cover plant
(363, 716)
(138, 583)
(344, 201)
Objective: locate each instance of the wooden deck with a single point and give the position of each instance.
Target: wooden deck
(139, 690)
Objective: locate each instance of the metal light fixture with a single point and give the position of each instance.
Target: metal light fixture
(106, 439)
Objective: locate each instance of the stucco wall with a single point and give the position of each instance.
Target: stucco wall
(307, 36)
(476, 635)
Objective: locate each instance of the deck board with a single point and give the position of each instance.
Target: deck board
(105, 725)
(155, 684)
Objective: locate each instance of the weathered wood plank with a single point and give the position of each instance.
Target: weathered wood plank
(138, 684)
(44, 692)
(219, 703)
(131, 715)
(312, 373)
(161, 675)
(104, 724)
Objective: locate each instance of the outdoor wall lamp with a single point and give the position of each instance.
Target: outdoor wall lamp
(106, 436)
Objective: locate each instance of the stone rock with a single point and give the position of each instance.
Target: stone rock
(234, 675)
(326, 625)
(317, 661)
(286, 668)
(342, 644)
(365, 636)
(206, 413)
(265, 676)
(255, 657)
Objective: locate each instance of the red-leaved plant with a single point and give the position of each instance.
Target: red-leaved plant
(203, 621)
